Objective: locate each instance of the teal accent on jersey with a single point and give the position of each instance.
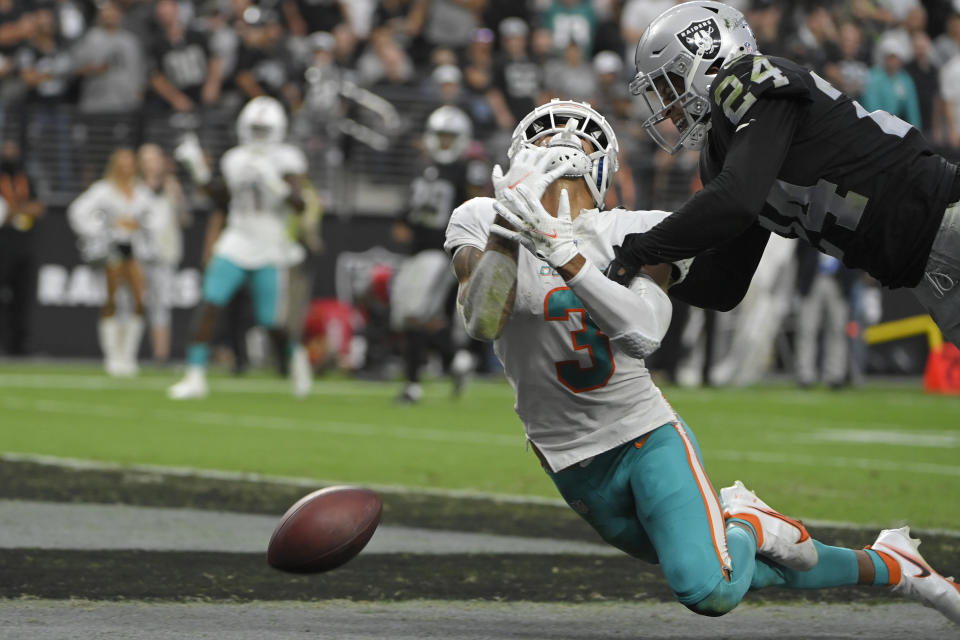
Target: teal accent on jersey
(198, 354)
(559, 305)
(223, 278)
(881, 575)
(646, 501)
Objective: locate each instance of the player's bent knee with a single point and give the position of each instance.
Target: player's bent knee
(720, 601)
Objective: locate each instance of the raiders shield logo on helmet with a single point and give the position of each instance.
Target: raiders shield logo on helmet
(702, 34)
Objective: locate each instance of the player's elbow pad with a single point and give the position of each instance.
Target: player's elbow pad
(636, 319)
(636, 345)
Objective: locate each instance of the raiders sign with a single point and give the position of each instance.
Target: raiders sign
(703, 33)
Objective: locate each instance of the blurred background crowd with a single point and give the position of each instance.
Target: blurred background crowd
(79, 79)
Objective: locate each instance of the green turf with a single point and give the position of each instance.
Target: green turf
(879, 455)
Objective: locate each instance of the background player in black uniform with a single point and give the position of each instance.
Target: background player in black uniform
(785, 151)
(424, 285)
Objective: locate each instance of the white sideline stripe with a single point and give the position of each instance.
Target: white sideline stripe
(893, 437)
(264, 386)
(873, 464)
(314, 483)
(267, 422)
(51, 525)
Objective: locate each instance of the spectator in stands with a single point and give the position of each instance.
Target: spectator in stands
(947, 44)
(451, 23)
(889, 87)
(517, 78)
(570, 77)
(606, 35)
(46, 70)
(167, 214)
(403, 21)
(636, 17)
(807, 46)
(185, 73)
(847, 65)
(477, 79)
(18, 246)
(571, 21)
(72, 18)
(950, 93)
(304, 17)
(610, 95)
(765, 18)
(110, 62)
(926, 78)
(264, 64)
(384, 62)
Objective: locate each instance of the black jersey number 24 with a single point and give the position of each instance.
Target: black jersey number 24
(806, 205)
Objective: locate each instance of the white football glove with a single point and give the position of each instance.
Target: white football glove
(551, 237)
(191, 155)
(531, 167)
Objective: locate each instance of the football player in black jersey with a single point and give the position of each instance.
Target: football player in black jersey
(785, 151)
(423, 286)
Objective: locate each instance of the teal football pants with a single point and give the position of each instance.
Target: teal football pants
(222, 279)
(652, 499)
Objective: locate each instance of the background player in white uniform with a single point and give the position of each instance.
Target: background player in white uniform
(263, 177)
(110, 221)
(572, 346)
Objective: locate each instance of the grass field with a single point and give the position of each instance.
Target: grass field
(876, 456)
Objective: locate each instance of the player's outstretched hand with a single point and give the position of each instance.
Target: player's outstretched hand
(535, 168)
(551, 237)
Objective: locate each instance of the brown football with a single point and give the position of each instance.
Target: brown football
(324, 529)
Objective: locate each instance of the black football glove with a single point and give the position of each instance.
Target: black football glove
(624, 267)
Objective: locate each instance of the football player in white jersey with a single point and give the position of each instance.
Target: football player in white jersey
(572, 344)
(263, 178)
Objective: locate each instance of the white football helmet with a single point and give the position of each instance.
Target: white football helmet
(551, 119)
(454, 125)
(677, 59)
(262, 120)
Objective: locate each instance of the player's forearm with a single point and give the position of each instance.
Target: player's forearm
(486, 300)
(731, 202)
(635, 318)
(719, 278)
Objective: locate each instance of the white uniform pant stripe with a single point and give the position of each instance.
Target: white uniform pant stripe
(710, 500)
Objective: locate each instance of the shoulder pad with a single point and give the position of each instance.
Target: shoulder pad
(739, 84)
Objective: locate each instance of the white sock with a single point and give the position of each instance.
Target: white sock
(108, 331)
(131, 341)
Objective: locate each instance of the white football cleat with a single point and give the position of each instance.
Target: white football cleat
(918, 580)
(301, 375)
(779, 538)
(193, 385)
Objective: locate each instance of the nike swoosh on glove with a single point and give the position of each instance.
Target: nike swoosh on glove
(531, 168)
(551, 236)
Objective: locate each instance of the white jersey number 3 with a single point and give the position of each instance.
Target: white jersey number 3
(558, 306)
